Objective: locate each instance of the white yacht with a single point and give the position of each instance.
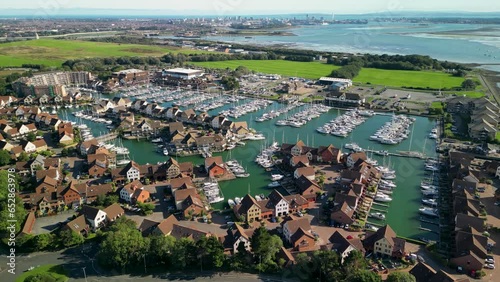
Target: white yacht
(429, 211)
(377, 215)
(231, 203)
(276, 177)
(237, 200)
(157, 140)
(165, 152)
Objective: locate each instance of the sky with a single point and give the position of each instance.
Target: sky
(221, 7)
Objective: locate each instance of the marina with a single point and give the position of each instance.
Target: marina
(402, 213)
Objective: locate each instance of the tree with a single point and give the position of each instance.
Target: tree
(23, 157)
(211, 251)
(184, 254)
(5, 209)
(147, 208)
(160, 250)
(363, 276)
(400, 277)
(469, 84)
(4, 158)
(123, 246)
(43, 241)
(265, 246)
(70, 238)
(230, 83)
(64, 152)
(31, 137)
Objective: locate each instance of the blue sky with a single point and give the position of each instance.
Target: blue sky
(213, 7)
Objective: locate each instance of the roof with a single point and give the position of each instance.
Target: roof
(180, 231)
(275, 197)
(89, 212)
(299, 234)
(166, 226)
(306, 171)
(29, 223)
(114, 211)
(246, 203)
(182, 194)
(463, 221)
(294, 224)
(385, 232)
(147, 226)
(78, 224)
(184, 182)
(422, 272)
(184, 71)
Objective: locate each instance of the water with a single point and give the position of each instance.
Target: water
(402, 213)
(470, 44)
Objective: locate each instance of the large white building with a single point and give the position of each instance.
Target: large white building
(183, 73)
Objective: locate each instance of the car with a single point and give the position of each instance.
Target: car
(107, 181)
(300, 214)
(346, 226)
(490, 261)
(489, 266)
(497, 204)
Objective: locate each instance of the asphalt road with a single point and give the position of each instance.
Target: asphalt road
(74, 260)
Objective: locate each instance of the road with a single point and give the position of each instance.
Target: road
(75, 259)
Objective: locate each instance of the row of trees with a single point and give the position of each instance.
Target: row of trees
(124, 246)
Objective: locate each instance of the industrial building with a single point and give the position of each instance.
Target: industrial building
(182, 73)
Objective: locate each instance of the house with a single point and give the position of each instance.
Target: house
(307, 172)
(85, 146)
(184, 230)
(308, 188)
(140, 196)
(37, 164)
(384, 242)
(46, 185)
(71, 195)
(192, 206)
(94, 216)
(278, 203)
(128, 191)
(181, 195)
(239, 238)
(329, 154)
(217, 122)
(215, 167)
(165, 227)
(344, 246)
(297, 231)
(78, 225)
(342, 214)
(353, 158)
(299, 161)
(113, 212)
(249, 208)
(130, 172)
(180, 183)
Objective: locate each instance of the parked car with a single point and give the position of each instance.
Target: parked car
(489, 261)
(489, 266)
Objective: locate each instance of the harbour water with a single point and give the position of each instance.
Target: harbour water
(402, 212)
(471, 43)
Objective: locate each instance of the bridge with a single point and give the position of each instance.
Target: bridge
(106, 137)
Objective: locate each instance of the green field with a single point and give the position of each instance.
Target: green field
(312, 70)
(315, 70)
(56, 271)
(400, 78)
(52, 52)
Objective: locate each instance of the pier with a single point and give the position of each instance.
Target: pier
(107, 137)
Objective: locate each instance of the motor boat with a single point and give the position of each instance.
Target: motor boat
(276, 177)
(237, 200)
(378, 215)
(382, 198)
(429, 211)
(231, 203)
(430, 202)
(165, 152)
(274, 184)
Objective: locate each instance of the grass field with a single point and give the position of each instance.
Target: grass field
(55, 271)
(52, 52)
(312, 70)
(315, 70)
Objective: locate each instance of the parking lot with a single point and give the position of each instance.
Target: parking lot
(47, 224)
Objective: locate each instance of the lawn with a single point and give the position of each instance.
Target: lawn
(56, 271)
(52, 52)
(311, 70)
(416, 79)
(315, 70)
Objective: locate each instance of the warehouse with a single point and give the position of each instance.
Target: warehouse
(183, 73)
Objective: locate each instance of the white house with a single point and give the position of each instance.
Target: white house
(355, 157)
(94, 216)
(291, 226)
(279, 203)
(133, 173)
(217, 122)
(29, 147)
(128, 190)
(240, 237)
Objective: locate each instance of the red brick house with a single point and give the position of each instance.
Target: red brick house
(215, 166)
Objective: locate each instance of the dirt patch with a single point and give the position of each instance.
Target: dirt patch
(141, 50)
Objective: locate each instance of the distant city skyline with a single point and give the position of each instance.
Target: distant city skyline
(235, 7)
